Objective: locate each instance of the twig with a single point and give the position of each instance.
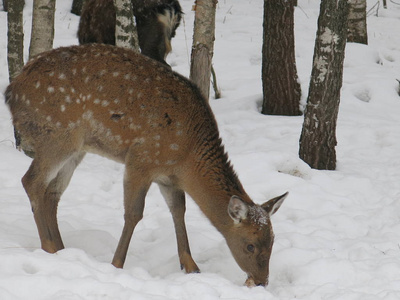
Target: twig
(215, 85)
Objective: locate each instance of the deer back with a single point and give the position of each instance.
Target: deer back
(114, 98)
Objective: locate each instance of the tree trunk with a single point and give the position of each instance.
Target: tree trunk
(42, 35)
(5, 5)
(77, 7)
(281, 89)
(357, 32)
(318, 137)
(15, 43)
(203, 45)
(125, 30)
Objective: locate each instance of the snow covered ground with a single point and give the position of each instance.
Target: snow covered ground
(337, 234)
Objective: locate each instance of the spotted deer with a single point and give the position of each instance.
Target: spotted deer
(156, 22)
(124, 106)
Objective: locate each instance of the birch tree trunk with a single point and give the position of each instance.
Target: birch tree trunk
(42, 35)
(15, 38)
(318, 137)
(357, 32)
(281, 89)
(125, 30)
(203, 45)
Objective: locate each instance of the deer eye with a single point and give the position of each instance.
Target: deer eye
(250, 248)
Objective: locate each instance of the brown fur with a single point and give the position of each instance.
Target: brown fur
(134, 110)
(156, 20)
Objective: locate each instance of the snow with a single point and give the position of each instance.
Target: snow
(337, 235)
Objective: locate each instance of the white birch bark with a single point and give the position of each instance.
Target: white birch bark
(125, 29)
(203, 45)
(42, 35)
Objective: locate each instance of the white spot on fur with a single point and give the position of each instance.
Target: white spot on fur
(174, 147)
(139, 141)
(62, 76)
(71, 125)
(115, 74)
(37, 84)
(105, 103)
(135, 127)
(50, 89)
(87, 115)
(96, 101)
(68, 98)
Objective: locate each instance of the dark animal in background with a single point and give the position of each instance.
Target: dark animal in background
(156, 21)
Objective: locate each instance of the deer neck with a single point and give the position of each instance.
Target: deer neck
(211, 182)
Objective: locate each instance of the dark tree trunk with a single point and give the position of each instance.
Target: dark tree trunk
(318, 137)
(357, 32)
(15, 43)
(281, 89)
(203, 45)
(5, 5)
(77, 7)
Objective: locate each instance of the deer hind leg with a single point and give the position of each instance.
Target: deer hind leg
(135, 189)
(175, 199)
(44, 182)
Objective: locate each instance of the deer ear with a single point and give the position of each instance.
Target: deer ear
(271, 206)
(238, 209)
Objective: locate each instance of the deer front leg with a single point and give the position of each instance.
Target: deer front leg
(135, 190)
(175, 199)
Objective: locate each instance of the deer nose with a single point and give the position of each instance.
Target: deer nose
(251, 282)
(262, 284)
